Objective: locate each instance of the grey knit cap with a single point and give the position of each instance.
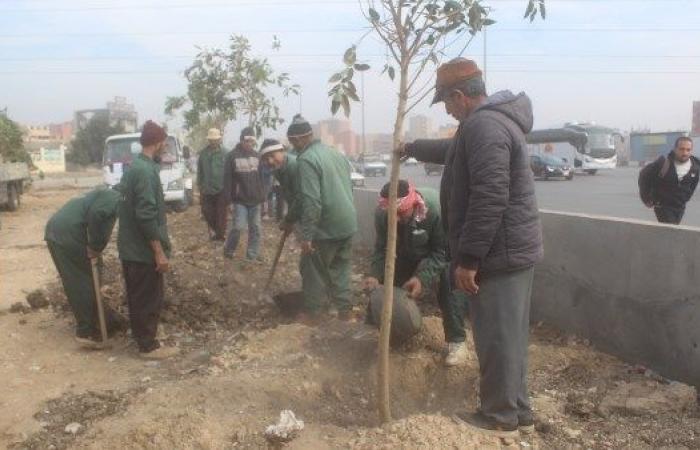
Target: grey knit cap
(299, 127)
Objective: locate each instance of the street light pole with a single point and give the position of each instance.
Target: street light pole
(364, 137)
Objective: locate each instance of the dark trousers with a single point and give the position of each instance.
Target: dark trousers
(74, 268)
(664, 214)
(500, 317)
(453, 304)
(144, 296)
(214, 210)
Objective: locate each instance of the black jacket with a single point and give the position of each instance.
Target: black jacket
(487, 191)
(243, 181)
(661, 186)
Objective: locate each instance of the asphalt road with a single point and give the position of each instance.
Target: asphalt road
(608, 193)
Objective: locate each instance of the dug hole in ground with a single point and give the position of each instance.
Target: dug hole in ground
(242, 363)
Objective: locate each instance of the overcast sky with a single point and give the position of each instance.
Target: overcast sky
(622, 63)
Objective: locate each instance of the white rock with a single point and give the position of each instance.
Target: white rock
(73, 428)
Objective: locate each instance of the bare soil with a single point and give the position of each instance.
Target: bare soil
(242, 362)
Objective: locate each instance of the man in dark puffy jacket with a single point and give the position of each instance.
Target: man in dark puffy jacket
(669, 182)
(488, 199)
(243, 184)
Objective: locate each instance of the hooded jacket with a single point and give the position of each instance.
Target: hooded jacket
(487, 191)
(243, 181)
(663, 188)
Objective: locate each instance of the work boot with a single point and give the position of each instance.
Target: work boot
(487, 425)
(526, 423)
(160, 353)
(456, 354)
(89, 343)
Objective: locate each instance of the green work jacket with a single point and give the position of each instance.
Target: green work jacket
(325, 192)
(210, 170)
(288, 178)
(84, 221)
(421, 243)
(142, 212)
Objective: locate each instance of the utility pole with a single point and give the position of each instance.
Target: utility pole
(364, 137)
(300, 101)
(485, 28)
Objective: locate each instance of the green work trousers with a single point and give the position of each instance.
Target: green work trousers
(326, 274)
(453, 304)
(76, 275)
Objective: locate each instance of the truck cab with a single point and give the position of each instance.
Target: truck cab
(120, 151)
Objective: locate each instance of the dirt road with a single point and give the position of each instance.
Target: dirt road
(242, 363)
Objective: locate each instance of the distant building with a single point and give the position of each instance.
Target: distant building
(61, 131)
(118, 111)
(420, 127)
(447, 131)
(379, 143)
(37, 133)
(695, 127)
(337, 133)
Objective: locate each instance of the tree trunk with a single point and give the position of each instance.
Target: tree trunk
(385, 329)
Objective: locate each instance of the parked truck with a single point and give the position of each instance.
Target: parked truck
(647, 147)
(12, 180)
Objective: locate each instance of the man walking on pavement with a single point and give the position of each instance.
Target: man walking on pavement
(285, 170)
(420, 259)
(75, 234)
(669, 182)
(487, 195)
(144, 244)
(210, 181)
(328, 221)
(243, 184)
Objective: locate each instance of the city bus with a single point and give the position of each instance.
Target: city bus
(591, 147)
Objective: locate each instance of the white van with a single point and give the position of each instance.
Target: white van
(120, 151)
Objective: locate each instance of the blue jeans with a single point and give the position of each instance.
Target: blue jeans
(243, 216)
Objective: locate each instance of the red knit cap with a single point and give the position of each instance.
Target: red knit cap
(152, 134)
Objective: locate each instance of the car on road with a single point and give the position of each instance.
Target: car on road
(358, 180)
(433, 169)
(372, 168)
(550, 166)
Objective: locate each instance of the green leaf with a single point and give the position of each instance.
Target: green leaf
(334, 107)
(346, 105)
(374, 15)
(430, 40)
(543, 12)
(353, 96)
(489, 22)
(530, 8)
(336, 77)
(351, 86)
(350, 56)
(391, 72)
(361, 67)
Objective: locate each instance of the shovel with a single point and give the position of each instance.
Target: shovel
(280, 247)
(98, 299)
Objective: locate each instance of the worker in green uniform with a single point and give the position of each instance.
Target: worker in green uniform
(327, 222)
(421, 259)
(76, 233)
(285, 170)
(143, 242)
(210, 182)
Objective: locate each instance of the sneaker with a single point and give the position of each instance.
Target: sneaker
(160, 353)
(526, 424)
(487, 425)
(89, 343)
(456, 354)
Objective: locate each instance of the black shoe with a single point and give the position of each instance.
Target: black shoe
(526, 423)
(487, 425)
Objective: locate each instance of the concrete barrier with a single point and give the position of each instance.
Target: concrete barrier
(631, 287)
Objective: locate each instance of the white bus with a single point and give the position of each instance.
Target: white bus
(592, 147)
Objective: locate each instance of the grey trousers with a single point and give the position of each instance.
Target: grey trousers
(500, 317)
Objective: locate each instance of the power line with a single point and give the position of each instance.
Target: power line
(338, 30)
(337, 55)
(172, 72)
